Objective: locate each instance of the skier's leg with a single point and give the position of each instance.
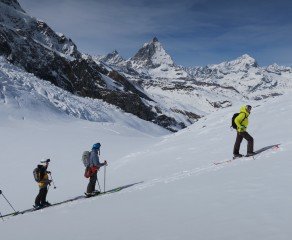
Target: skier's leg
(250, 141)
(91, 184)
(44, 192)
(37, 201)
(237, 143)
(94, 181)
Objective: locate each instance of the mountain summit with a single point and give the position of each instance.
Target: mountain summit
(112, 58)
(154, 61)
(243, 62)
(152, 55)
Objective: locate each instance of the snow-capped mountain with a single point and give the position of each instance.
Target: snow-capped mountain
(31, 44)
(152, 55)
(201, 90)
(154, 61)
(113, 58)
(150, 61)
(249, 79)
(275, 68)
(149, 84)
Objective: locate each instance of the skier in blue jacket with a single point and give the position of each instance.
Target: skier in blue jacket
(94, 165)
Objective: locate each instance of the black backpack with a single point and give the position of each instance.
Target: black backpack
(38, 173)
(233, 124)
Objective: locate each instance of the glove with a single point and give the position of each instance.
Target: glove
(242, 128)
(105, 163)
(48, 172)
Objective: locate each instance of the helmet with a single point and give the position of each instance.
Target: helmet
(248, 107)
(96, 146)
(45, 160)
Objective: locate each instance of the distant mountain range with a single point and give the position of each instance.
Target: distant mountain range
(189, 93)
(149, 85)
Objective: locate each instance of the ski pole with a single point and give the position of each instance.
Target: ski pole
(1, 217)
(52, 181)
(0, 212)
(104, 178)
(98, 183)
(7, 201)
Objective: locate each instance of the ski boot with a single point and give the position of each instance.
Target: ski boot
(238, 155)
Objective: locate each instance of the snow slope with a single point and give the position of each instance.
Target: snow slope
(183, 195)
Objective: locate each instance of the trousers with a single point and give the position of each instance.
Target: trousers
(92, 182)
(41, 197)
(239, 137)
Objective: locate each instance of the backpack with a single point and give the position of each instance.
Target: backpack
(233, 124)
(36, 174)
(85, 158)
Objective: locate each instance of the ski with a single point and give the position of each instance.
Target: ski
(227, 161)
(271, 147)
(67, 201)
(10, 214)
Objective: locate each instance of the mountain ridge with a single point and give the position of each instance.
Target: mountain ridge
(31, 44)
(149, 85)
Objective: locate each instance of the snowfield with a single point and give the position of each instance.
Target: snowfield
(178, 194)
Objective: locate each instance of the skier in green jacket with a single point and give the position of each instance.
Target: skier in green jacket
(241, 122)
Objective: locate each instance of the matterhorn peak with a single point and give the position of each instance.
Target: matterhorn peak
(155, 39)
(152, 55)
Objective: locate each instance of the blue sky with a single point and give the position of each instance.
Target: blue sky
(193, 32)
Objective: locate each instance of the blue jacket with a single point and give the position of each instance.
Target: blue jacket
(94, 159)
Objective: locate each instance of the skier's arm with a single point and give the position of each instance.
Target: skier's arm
(102, 164)
(96, 162)
(238, 120)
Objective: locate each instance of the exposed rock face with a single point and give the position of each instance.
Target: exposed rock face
(152, 55)
(33, 45)
(113, 58)
(149, 85)
(189, 93)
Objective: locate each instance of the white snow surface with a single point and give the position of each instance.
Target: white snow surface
(181, 194)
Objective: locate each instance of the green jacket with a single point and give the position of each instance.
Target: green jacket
(241, 120)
